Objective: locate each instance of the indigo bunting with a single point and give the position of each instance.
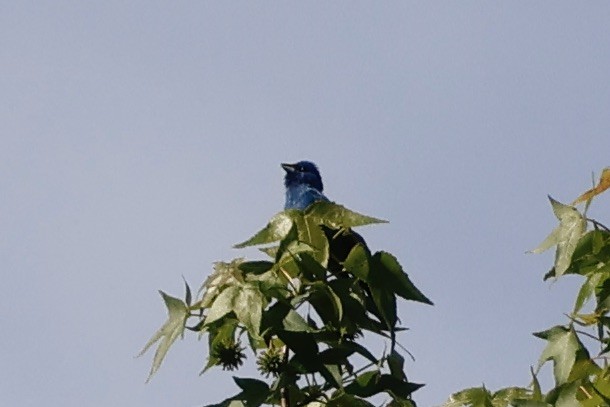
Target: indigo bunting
(303, 187)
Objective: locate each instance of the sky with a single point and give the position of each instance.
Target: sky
(140, 140)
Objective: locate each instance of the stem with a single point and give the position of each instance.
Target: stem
(284, 397)
(598, 224)
(588, 334)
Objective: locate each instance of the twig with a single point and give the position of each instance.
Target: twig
(598, 224)
(284, 396)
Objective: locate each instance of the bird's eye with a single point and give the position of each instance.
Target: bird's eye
(300, 168)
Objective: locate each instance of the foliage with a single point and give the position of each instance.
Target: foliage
(301, 318)
(580, 379)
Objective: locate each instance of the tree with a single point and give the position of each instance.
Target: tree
(580, 379)
(302, 313)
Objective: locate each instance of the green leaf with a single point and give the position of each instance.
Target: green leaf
(383, 297)
(372, 382)
(396, 364)
(564, 395)
(571, 227)
(169, 331)
(248, 307)
(365, 384)
(562, 348)
(230, 402)
(255, 267)
(301, 343)
(396, 279)
(188, 296)
(283, 317)
(326, 303)
(472, 397)
(356, 347)
(254, 393)
(222, 305)
(225, 274)
(357, 262)
(346, 400)
(222, 334)
(336, 216)
(310, 233)
(277, 228)
(587, 290)
(309, 267)
(398, 389)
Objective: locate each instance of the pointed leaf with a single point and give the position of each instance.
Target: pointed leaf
(396, 279)
(336, 216)
(326, 303)
(188, 295)
(254, 392)
(222, 305)
(358, 262)
(309, 267)
(587, 290)
(276, 229)
(571, 227)
(396, 364)
(248, 307)
(225, 274)
(169, 332)
(562, 348)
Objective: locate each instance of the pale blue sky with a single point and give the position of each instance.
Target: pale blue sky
(140, 140)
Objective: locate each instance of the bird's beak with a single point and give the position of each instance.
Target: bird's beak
(288, 167)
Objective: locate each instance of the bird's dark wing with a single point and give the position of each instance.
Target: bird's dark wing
(341, 242)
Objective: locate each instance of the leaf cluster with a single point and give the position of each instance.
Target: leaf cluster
(302, 312)
(579, 349)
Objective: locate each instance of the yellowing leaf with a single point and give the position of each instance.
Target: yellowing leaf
(571, 227)
(602, 185)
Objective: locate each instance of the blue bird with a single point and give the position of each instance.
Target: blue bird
(303, 185)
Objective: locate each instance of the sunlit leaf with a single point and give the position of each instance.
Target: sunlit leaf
(602, 185)
(222, 305)
(571, 227)
(562, 348)
(225, 274)
(587, 290)
(472, 397)
(248, 308)
(358, 262)
(169, 331)
(275, 230)
(337, 216)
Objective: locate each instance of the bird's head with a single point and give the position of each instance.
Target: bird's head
(303, 173)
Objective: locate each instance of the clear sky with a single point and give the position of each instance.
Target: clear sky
(139, 140)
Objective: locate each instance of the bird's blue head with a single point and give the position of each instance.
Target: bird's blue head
(303, 173)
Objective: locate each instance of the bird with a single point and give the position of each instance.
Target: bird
(304, 186)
